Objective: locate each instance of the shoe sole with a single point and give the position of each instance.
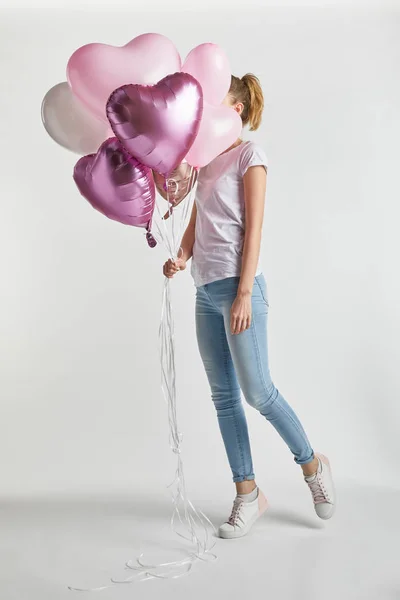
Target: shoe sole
(229, 535)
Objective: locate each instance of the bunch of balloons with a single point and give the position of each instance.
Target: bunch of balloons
(144, 121)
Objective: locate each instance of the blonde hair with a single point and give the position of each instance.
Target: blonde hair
(247, 90)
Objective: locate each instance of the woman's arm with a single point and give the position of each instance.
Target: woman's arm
(255, 181)
(189, 236)
(170, 267)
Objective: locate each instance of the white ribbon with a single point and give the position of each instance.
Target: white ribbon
(194, 523)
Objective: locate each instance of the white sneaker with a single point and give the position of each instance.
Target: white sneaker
(322, 488)
(243, 516)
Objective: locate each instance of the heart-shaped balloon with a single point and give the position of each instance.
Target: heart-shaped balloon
(95, 70)
(157, 124)
(177, 186)
(117, 185)
(220, 127)
(70, 123)
(209, 64)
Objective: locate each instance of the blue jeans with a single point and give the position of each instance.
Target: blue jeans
(240, 362)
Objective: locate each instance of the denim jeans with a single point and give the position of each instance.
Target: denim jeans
(239, 362)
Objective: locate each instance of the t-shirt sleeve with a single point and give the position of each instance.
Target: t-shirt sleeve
(251, 156)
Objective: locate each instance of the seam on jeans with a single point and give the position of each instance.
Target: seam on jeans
(299, 429)
(255, 341)
(211, 300)
(229, 385)
(295, 423)
(262, 293)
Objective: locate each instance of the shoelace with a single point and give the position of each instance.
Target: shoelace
(318, 490)
(233, 519)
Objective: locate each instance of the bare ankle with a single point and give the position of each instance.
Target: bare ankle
(245, 487)
(311, 467)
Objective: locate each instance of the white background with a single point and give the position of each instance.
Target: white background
(81, 404)
(80, 395)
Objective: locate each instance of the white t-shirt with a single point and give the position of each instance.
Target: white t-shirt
(220, 221)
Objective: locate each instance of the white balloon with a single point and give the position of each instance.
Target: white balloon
(69, 123)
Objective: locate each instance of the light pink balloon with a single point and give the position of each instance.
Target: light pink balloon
(95, 70)
(209, 64)
(220, 127)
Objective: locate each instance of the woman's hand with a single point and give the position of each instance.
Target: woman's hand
(170, 267)
(241, 313)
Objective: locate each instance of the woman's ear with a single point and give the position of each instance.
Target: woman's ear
(239, 107)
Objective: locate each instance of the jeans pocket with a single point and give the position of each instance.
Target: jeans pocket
(263, 292)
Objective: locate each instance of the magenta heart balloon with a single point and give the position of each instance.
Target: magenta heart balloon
(116, 184)
(157, 124)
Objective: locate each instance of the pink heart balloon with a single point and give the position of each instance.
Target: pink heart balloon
(220, 127)
(95, 70)
(117, 185)
(157, 124)
(209, 64)
(177, 186)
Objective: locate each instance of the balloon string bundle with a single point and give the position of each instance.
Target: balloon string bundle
(194, 523)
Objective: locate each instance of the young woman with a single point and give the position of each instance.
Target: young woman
(223, 239)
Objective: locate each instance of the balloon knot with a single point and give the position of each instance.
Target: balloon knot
(150, 240)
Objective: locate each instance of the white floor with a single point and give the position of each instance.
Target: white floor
(48, 544)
